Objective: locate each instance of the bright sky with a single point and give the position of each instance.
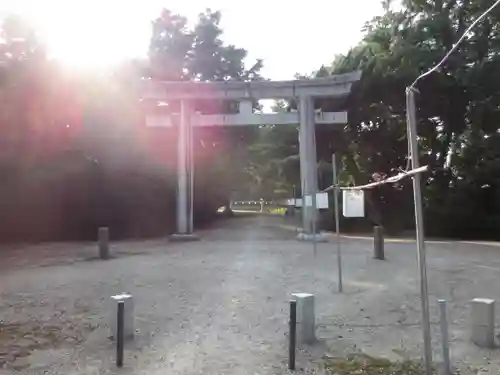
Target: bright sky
(291, 37)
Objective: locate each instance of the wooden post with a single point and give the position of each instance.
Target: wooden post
(378, 243)
(103, 240)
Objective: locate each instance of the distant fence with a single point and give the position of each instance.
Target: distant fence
(257, 205)
(254, 205)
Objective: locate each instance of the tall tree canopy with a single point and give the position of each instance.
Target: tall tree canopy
(178, 52)
(458, 125)
(75, 148)
(458, 108)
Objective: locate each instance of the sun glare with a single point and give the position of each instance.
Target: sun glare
(90, 34)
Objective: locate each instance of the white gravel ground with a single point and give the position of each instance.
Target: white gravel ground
(220, 306)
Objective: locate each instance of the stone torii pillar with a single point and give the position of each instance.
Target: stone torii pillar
(308, 170)
(185, 175)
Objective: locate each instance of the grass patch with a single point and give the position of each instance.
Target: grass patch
(278, 211)
(19, 340)
(362, 364)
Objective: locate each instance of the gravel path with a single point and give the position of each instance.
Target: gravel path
(220, 306)
(211, 307)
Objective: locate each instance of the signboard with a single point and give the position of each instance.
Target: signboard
(321, 200)
(353, 203)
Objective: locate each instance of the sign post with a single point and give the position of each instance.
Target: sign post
(419, 226)
(337, 221)
(314, 220)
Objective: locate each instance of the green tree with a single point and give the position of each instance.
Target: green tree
(178, 52)
(457, 106)
(75, 148)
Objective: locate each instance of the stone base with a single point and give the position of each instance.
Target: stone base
(184, 237)
(306, 326)
(483, 322)
(128, 319)
(309, 237)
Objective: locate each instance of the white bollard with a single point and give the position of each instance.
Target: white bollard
(128, 331)
(306, 326)
(445, 344)
(483, 322)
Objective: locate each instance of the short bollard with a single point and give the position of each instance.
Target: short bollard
(378, 243)
(293, 335)
(120, 334)
(483, 322)
(128, 315)
(306, 333)
(445, 344)
(103, 240)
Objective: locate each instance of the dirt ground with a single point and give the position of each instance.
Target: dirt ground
(220, 305)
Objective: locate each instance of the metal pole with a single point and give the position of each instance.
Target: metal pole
(314, 218)
(293, 335)
(419, 226)
(314, 168)
(191, 176)
(120, 333)
(182, 169)
(337, 221)
(443, 321)
(303, 208)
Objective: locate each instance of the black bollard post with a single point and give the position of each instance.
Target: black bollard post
(378, 243)
(293, 335)
(120, 333)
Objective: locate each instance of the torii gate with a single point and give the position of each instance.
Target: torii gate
(304, 91)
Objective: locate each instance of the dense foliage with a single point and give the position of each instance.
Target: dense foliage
(458, 117)
(458, 111)
(76, 152)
